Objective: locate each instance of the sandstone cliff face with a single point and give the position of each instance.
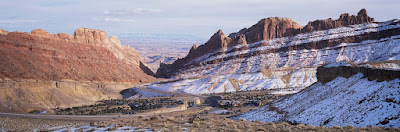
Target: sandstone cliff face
(266, 33)
(269, 28)
(63, 70)
(88, 55)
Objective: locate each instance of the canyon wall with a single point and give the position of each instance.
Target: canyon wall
(42, 71)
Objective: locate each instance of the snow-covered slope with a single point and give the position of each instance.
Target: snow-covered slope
(353, 101)
(288, 63)
(288, 79)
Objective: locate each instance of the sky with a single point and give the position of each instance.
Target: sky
(200, 18)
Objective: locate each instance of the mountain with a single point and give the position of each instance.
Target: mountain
(39, 70)
(278, 53)
(343, 95)
(159, 36)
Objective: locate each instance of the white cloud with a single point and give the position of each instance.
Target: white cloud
(110, 19)
(17, 21)
(132, 12)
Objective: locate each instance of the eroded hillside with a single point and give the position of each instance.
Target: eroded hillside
(39, 70)
(356, 96)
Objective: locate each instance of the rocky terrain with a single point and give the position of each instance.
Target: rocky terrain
(343, 95)
(196, 118)
(245, 98)
(119, 106)
(60, 70)
(278, 53)
(183, 121)
(208, 121)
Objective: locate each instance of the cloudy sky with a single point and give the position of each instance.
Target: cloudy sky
(200, 18)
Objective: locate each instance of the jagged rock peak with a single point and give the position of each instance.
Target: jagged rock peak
(269, 28)
(363, 12)
(89, 36)
(344, 20)
(218, 41)
(219, 33)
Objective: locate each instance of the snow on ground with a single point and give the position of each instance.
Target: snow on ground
(366, 51)
(297, 78)
(284, 92)
(390, 66)
(110, 128)
(221, 112)
(337, 64)
(354, 101)
(134, 92)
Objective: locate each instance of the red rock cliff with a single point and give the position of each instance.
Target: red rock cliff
(88, 55)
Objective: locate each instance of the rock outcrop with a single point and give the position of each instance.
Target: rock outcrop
(269, 28)
(344, 20)
(327, 74)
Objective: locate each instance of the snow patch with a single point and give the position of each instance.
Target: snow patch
(354, 101)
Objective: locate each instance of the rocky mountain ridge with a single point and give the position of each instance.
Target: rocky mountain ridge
(266, 29)
(285, 63)
(88, 55)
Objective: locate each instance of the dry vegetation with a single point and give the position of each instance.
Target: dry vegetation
(207, 121)
(120, 106)
(197, 118)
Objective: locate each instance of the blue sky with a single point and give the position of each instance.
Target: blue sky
(200, 18)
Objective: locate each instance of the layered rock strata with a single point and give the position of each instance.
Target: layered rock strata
(284, 59)
(41, 71)
(274, 31)
(88, 55)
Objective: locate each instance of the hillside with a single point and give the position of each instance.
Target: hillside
(39, 70)
(355, 96)
(278, 53)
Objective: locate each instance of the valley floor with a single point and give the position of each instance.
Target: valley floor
(197, 118)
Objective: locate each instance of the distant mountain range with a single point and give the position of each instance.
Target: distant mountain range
(160, 36)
